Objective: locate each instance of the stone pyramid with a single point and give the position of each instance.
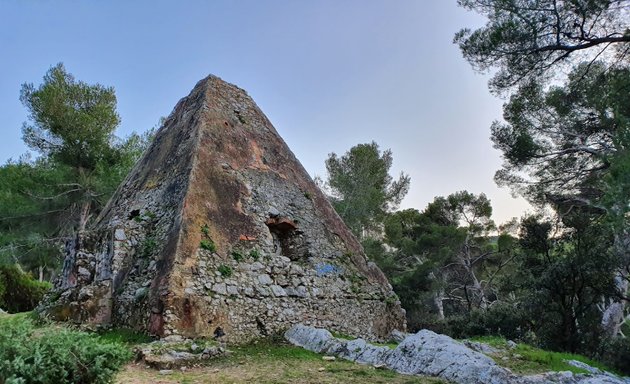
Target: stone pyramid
(219, 231)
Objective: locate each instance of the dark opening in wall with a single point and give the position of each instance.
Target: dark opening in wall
(262, 328)
(133, 214)
(218, 332)
(287, 237)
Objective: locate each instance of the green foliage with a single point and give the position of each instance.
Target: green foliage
(208, 245)
(225, 270)
(71, 122)
(563, 279)
(614, 352)
(81, 162)
(254, 254)
(501, 319)
(19, 292)
(205, 230)
(55, 355)
(532, 39)
(237, 256)
(124, 336)
(362, 189)
(148, 247)
(561, 143)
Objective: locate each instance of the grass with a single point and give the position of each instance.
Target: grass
(208, 245)
(342, 336)
(125, 336)
(272, 363)
(225, 270)
(525, 359)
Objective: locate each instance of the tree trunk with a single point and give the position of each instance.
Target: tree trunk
(84, 215)
(41, 273)
(613, 315)
(438, 299)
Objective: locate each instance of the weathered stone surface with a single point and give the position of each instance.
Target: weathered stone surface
(228, 234)
(430, 354)
(166, 355)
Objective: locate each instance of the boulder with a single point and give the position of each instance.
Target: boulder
(427, 353)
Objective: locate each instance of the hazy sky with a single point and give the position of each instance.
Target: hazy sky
(328, 74)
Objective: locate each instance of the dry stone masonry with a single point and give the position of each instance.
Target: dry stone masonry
(219, 232)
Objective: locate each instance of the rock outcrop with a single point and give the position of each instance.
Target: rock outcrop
(427, 353)
(220, 232)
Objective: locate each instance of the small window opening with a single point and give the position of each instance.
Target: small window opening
(287, 238)
(133, 214)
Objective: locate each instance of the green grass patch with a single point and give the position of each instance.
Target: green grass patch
(389, 345)
(237, 256)
(125, 336)
(554, 361)
(207, 245)
(254, 254)
(342, 336)
(493, 341)
(267, 350)
(525, 359)
(225, 270)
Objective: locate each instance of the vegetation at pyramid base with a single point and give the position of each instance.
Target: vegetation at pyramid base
(29, 354)
(19, 292)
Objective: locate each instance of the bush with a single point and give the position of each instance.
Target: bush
(19, 292)
(616, 354)
(55, 355)
(500, 319)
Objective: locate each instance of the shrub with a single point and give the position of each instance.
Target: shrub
(254, 254)
(225, 270)
(19, 292)
(500, 319)
(208, 245)
(616, 354)
(55, 355)
(237, 256)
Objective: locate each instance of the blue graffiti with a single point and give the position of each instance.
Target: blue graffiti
(324, 269)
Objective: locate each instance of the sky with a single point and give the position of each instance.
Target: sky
(329, 74)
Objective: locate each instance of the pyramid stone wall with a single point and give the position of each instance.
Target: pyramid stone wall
(220, 232)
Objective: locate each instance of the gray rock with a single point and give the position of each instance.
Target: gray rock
(398, 336)
(220, 288)
(278, 291)
(257, 266)
(480, 347)
(264, 279)
(232, 290)
(427, 353)
(84, 272)
(430, 354)
(119, 234)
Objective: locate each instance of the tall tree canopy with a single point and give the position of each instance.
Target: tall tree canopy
(558, 144)
(564, 145)
(80, 163)
(362, 188)
(529, 38)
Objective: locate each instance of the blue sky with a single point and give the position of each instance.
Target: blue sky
(328, 74)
